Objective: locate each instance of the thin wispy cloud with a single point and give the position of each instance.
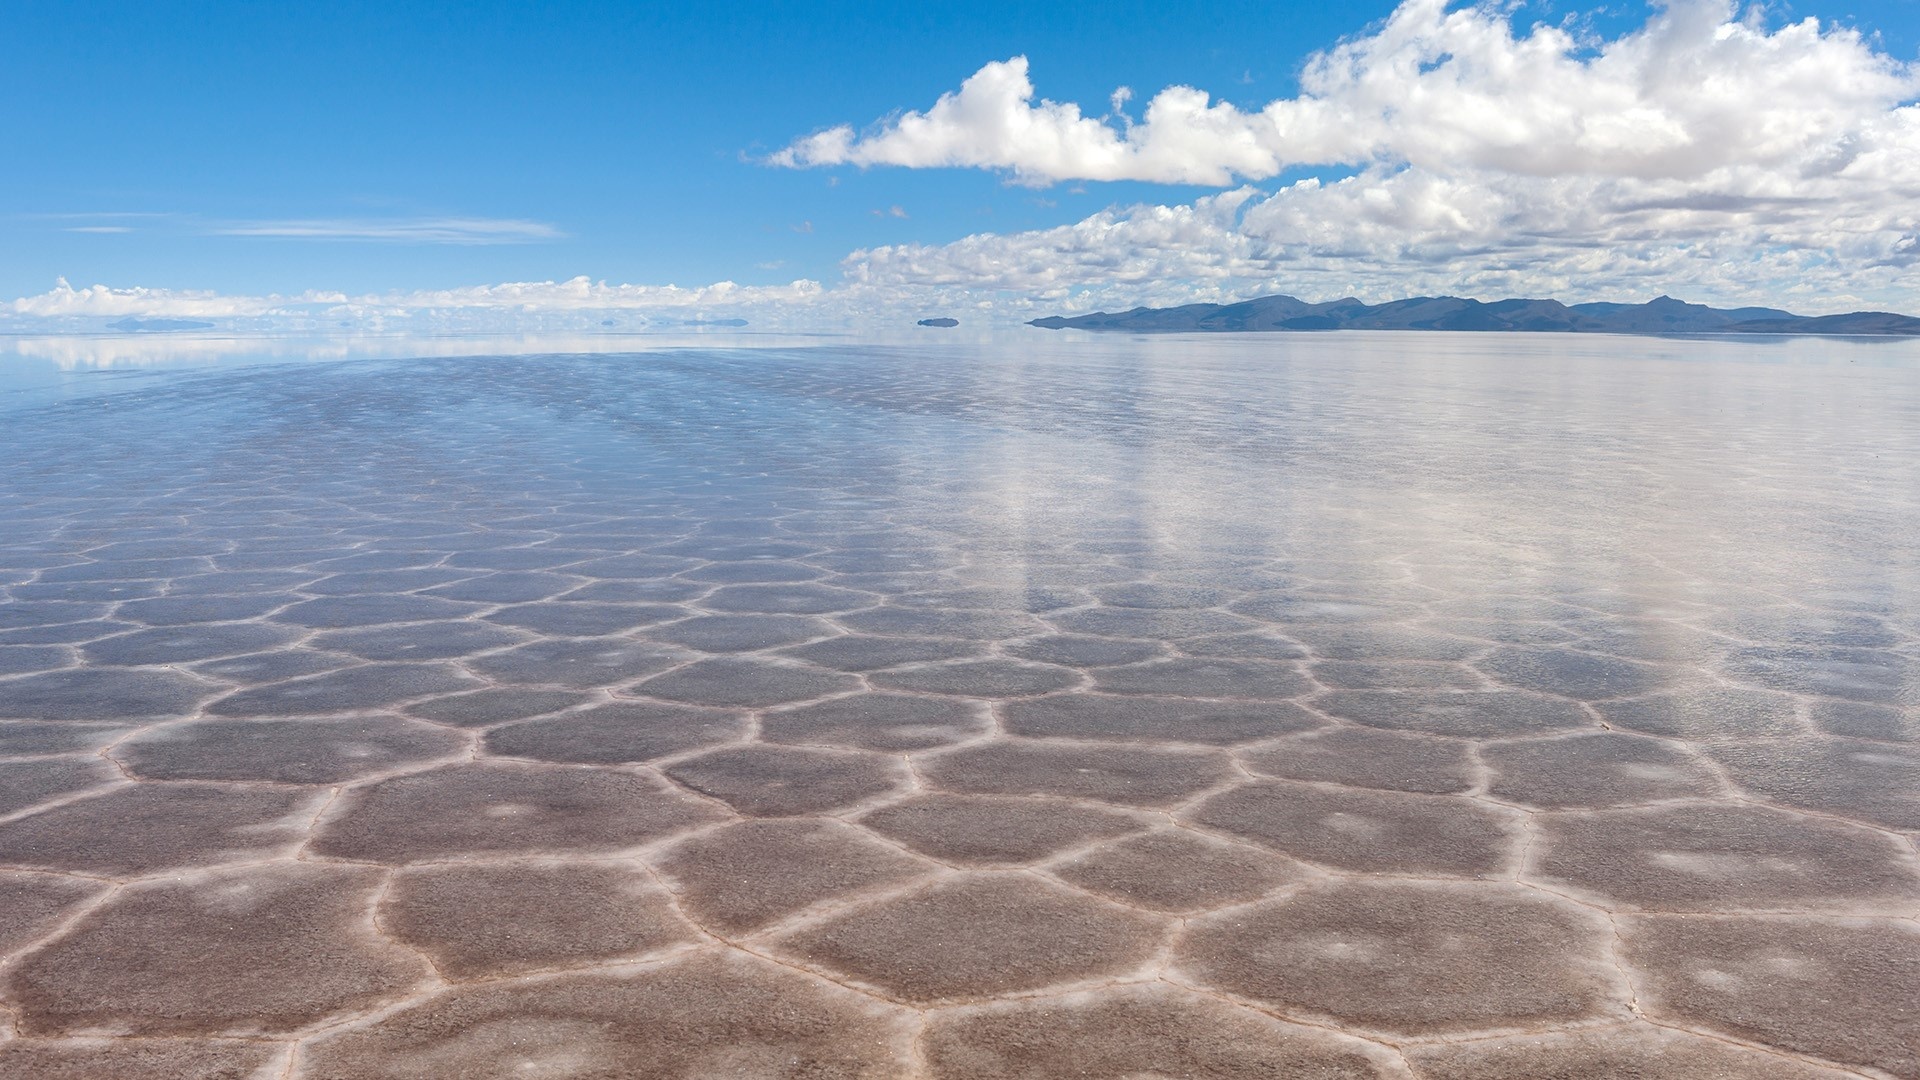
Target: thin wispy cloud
(447, 230)
(443, 229)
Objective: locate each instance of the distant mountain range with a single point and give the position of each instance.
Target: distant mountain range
(152, 325)
(1662, 316)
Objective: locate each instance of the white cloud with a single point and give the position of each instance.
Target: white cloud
(411, 230)
(1701, 154)
(572, 301)
(1693, 92)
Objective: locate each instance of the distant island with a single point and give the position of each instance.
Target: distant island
(1662, 316)
(939, 322)
(150, 325)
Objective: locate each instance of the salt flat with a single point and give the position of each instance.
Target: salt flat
(1357, 705)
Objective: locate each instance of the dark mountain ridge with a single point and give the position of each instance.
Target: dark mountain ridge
(1664, 315)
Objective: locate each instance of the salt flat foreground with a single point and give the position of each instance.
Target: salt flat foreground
(1417, 706)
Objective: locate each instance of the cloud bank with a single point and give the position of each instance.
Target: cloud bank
(573, 302)
(1704, 152)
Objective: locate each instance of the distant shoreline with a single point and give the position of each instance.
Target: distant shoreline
(1664, 315)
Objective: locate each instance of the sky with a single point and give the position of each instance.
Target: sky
(798, 162)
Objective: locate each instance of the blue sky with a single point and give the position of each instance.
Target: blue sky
(176, 146)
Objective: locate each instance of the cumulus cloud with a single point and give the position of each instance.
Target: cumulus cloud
(1694, 91)
(1703, 152)
(1384, 235)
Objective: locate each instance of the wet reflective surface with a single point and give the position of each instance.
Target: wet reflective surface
(1432, 706)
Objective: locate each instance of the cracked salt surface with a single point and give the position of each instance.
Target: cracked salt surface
(1405, 706)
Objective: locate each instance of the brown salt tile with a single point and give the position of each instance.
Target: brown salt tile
(367, 686)
(1146, 624)
(707, 1017)
(773, 781)
(630, 567)
(184, 610)
(1594, 769)
(90, 693)
(1137, 1031)
(134, 1059)
(1112, 716)
(507, 587)
(1373, 831)
(802, 598)
(32, 904)
(184, 644)
(542, 558)
(1873, 782)
(992, 677)
(887, 722)
(1146, 594)
(479, 708)
(489, 919)
(234, 952)
(1250, 646)
(1368, 757)
(266, 667)
(976, 625)
(1572, 673)
(28, 783)
(1718, 858)
(754, 571)
(622, 731)
(1283, 607)
(859, 652)
(306, 751)
(372, 582)
(340, 612)
(1206, 677)
(1863, 720)
(30, 738)
(140, 828)
(1393, 675)
(418, 641)
(745, 682)
(1855, 674)
(469, 809)
(1642, 1052)
(1839, 989)
(1706, 712)
(1176, 870)
(1384, 642)
(1410, 957)
(744, 876)
(741, 633)
(1467, 714)
(1083, 652)
(1129, 775)
(978, 935)
(577, 662)
(986, 829)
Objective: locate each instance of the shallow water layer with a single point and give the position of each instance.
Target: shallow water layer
(1399, 705)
